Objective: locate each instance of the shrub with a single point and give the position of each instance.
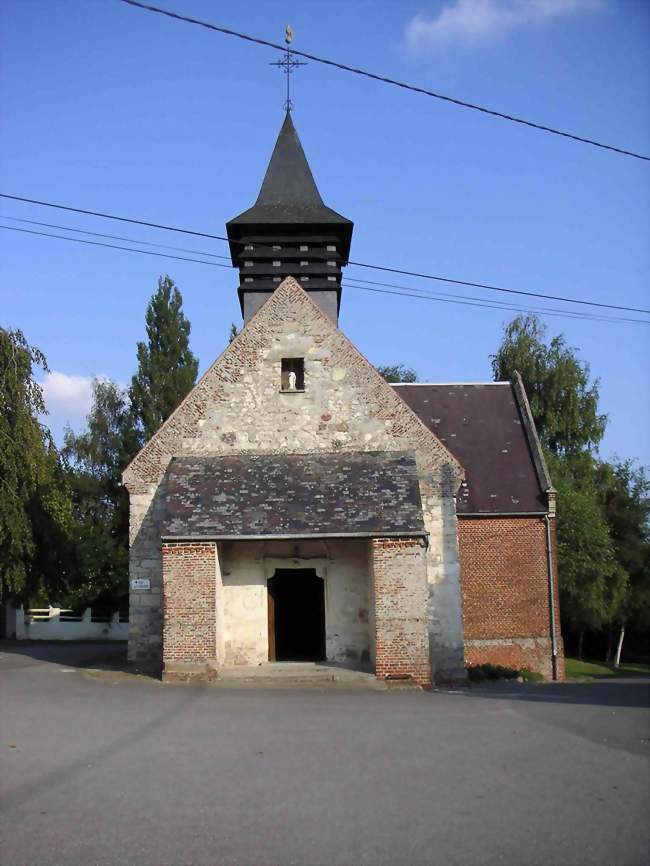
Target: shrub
(531, 676)
(488, 671)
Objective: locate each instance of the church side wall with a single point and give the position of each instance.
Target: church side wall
(506, 605)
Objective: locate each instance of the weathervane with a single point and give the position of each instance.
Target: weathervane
(288, 64)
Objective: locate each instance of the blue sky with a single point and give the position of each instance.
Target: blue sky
(110, 108)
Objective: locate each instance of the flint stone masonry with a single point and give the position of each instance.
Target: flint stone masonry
(506, 611)
(238, 408)
(399, 591)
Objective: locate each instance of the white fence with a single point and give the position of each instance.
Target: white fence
(55, 623)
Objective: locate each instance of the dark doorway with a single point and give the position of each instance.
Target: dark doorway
(296, 616)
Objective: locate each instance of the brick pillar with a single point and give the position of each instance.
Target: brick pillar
(398, 568)
(191, 598)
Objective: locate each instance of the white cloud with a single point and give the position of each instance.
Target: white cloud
(468, 22)
(67, 398)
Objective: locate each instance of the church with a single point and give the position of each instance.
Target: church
(296, 507)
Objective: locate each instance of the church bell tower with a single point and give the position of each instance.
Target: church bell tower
(289, 231)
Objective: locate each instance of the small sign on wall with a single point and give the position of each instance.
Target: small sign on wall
(141, 583)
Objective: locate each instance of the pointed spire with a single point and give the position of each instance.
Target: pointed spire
(288, 178)
(289, 194)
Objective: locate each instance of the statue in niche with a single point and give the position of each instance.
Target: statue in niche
(292, 381)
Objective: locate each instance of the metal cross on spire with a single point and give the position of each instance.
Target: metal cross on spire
(288, 64)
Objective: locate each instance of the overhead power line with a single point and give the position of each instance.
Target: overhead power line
(259, 247)
(115, 237)
(411, 292)
(508, 308)
(491, 288)
(352, 282)
(112, 246)
(502, 305)
(385, 79)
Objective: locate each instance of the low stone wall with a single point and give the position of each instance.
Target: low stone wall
(54, 623)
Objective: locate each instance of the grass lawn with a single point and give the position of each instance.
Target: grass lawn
(576, 669)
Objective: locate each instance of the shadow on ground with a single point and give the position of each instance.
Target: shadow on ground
(606, 693)
(109, 656)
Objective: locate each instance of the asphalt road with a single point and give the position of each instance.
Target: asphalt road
(102, 768)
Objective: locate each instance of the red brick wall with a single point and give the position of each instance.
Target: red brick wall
(504, 580)
(189, 604)
(399, 585)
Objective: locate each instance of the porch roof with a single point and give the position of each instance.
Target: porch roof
(293, 496)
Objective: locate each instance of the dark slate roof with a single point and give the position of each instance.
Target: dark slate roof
(289, 193)
(482, 426)
(266, 495)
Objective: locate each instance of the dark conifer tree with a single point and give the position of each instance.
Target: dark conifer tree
(167, 368)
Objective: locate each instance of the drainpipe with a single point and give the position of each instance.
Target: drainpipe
(551, 594)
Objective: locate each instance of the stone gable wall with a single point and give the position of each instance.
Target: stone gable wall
(237, 407)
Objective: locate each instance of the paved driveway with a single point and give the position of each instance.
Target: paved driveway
(102, 768)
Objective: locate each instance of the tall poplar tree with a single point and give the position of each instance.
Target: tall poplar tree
(167, 368)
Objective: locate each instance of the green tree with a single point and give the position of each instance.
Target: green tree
(97, 458)
(35, 515)
(397, 373)
(563, 401)
(166, 366)
(564, 404)
(624, 490)
(592, 582)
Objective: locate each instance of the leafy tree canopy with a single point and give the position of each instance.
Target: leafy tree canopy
(562, 399)
(35, 515)
(592, 582)
(624, 492)
(397, 373)
(167, 368)
(97, 457)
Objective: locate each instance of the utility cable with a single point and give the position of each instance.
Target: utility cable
(114, 237)
(419, 275)
(411, 293)
(113, 246)
(496, 306)
(502, 304)
(384, 79)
